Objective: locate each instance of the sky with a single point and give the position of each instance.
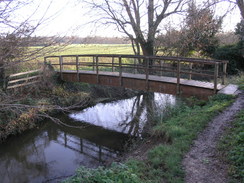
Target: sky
(65, 17)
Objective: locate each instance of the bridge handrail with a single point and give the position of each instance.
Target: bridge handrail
(171, 58)
(145, 66)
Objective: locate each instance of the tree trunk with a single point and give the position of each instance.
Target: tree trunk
(240, 4)
(148, 50)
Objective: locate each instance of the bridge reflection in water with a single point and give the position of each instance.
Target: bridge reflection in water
(53, 152)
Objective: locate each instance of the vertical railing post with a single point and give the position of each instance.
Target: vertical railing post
(178, 78)
(45, 60)
(216, 71)
(61, 66)
(147, 73)
(190, 75)
(97, 69)
(161, 72)
(77, 67)
(93, 63)
(120, 71)
(134, 65)
(112, 64)
(224, 73)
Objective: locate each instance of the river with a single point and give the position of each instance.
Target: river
(95, 135)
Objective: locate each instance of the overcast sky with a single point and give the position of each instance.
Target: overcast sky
(65, 17)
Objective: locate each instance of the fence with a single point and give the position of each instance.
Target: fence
(178, 67)
(23, 79)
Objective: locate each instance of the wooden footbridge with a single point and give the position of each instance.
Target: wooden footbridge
(171, 75)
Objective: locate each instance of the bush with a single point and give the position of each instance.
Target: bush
(233, 54)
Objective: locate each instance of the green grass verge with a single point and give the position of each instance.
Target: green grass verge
(164, 161)
(237, 79)
(232, 146)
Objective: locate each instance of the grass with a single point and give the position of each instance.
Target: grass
(232, 147)
(237, 79)
(163, 163)
(75, 49)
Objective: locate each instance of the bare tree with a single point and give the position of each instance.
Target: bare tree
(139, 19)
(240, 4)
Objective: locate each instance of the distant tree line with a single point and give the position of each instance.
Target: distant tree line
(44, 41)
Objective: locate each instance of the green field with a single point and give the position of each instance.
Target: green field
(73, 49)
(79, 49)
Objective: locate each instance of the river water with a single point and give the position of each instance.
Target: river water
(95, 135)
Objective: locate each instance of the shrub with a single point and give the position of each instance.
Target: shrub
(233, 54)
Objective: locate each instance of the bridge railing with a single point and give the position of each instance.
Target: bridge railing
(178, 67)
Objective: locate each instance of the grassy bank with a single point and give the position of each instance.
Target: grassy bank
(21, 109)
(232, 148)
(176, 131)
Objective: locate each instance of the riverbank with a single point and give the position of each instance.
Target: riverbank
(22, 109)
(159, 157)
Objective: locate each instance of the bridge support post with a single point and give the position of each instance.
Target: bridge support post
(120, 71)
(190, 75)
(77, 67)
(61, 66)
(224, 73)
(97, 69)
(216, 71)
(178, 78)
(112, 64)
(161, 68)
(93, 63)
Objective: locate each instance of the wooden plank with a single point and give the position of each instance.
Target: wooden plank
(24, 79)
(24, 73)
(24, 84)
(153, 78)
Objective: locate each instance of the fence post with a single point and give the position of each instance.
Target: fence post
(161, 72)
(77, 67)
(224, 73)
(216, 71)
(190, 75)
(134, 65)
(147, 74)
(61, 66)
(178, 78)
(120, 71)
(97, 69)
(112, 64)
(45, 60)
(93, 63)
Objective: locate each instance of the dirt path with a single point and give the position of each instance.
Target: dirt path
(201, 163)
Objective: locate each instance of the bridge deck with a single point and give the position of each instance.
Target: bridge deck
(186, 82)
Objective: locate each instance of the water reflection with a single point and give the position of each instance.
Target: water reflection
(54, 152)
(131, 116)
